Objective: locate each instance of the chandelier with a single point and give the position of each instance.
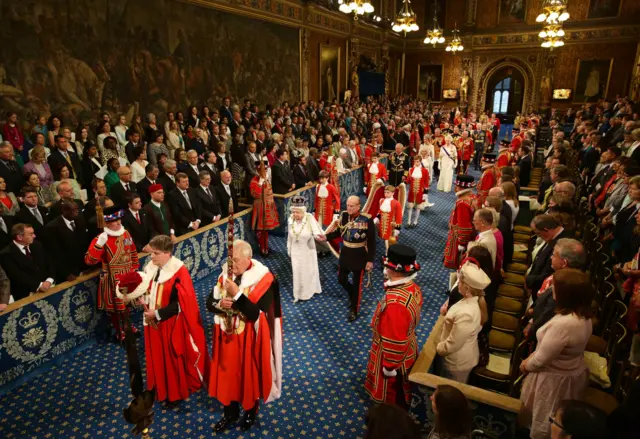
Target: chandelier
(357, 7)
(455, 45)
(553, 16)
(435, 35)
(405, 20)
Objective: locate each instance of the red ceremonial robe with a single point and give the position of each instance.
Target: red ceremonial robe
(460, 229)
(246, 365)
(265, 214)
(394, 345)
(381, 174)
(488, 180)
(176, 351)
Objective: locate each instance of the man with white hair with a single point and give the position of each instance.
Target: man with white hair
(398, 165)
(341, 162)
(246, 363)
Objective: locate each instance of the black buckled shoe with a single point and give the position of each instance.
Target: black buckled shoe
(224, 424)
(248, 420)
(352, 316)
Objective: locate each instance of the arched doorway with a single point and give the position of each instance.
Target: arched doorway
(505, 93)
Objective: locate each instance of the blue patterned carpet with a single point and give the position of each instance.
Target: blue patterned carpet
(324, 363)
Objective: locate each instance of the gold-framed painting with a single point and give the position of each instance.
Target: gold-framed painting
(512, 11)
(430, 81)
(592, 79)
(561, 94)
(329, 72)
(604, 9)
(450, 93)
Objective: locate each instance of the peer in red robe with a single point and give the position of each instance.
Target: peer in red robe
(460, 222)
(378, 177)
(246, 361)
(174, 340)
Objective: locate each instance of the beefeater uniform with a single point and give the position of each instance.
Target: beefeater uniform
(394, 348)
(460, 225)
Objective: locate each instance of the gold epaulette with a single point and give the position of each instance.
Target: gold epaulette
(368, 215)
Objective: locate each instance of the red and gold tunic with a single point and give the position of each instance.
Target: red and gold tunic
(394, 345)
(265, 214)
(418, 181)
(488, 180)
(460, 229)
(390, 215)
(504, 159)
(327, 203)
(332, 169)
(467, 148)
(381, 174)
(117, 256)
(439, 141)
(368, 152)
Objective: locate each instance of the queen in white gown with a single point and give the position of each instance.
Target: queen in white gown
(448, 162)
(303, 231)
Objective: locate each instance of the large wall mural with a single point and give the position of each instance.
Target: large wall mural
(78, 57)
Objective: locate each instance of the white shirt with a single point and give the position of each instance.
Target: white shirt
(195, 168)
(632, 148)
(134, 213)
(373, 168)
(226, 188)
(68, 223)
(322, 191)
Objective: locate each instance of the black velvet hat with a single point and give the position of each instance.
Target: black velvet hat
(489, 157)
(401, 258)
(465, 181)
(112, 213)
(505, 142)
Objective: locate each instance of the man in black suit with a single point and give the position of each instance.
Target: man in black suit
(550, 231)
(184, 206)
(130, 147)
(137, 223)
(281, 175)
(300, 173)
(124, 187)
(60, 156)
(159, 213)
(313, 166)
(90, 165)
(30, 213)
(224, 192)
(65, 191)
(26, 264)
(208, 202)
(209, 165)
(524, 163)
(191, 168)
(9, 169)
(145, 183)
(167, 177)
(66, 240)
(100, 190)
(225, 110)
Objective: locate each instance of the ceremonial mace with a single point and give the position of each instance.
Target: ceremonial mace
(229, 313)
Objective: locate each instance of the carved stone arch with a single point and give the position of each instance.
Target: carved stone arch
(486, 71)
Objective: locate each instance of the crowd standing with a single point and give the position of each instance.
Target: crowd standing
(119, 189)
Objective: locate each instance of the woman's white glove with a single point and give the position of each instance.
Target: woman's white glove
(102, 239)
(261, 182)
(376, 221)
(380, 181)
(396, 233)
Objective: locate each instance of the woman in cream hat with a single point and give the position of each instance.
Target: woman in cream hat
(458, 344)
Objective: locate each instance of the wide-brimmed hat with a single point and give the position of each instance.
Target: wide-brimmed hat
(489, 157)
(401, 258)
(473, 276)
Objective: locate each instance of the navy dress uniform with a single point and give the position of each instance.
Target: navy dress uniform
(358, 247)
(398, 168)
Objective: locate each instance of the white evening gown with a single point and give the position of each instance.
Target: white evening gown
(301, 247)
(447, 167)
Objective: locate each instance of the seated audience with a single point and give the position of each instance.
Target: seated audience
(9, 169)
(64, 191)
(556, 369)
(151, 175)
(125, 186)
(139, 163)
(39, 166)
(167, 177)
(205, 195)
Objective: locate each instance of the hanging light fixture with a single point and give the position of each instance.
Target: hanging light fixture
(435, 35)
(355, 7)
(405, 20)
(455, 45)
(554, 14)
